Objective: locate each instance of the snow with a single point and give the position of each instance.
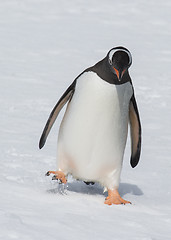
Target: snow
(44, 45)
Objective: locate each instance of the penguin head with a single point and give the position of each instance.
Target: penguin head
(119, 60)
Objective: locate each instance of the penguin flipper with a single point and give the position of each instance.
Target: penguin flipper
(62, 101)
(135, 128)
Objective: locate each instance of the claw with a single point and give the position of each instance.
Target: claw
(47, 174)
(54, 177)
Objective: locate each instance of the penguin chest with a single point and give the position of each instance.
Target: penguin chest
(93, 132)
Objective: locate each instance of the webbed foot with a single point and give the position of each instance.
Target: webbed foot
(59, 175)
(115, 198)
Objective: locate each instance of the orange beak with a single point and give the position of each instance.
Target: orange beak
(119, 74)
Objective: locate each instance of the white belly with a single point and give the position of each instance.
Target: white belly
(93, 132)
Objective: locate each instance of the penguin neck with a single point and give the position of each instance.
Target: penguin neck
(103, 71)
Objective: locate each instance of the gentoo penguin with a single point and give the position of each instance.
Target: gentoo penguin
(93, 132)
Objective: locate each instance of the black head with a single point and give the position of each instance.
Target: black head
(119, 60)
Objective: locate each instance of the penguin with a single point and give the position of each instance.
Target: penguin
(93, 132)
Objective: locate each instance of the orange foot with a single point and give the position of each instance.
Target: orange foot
(58, 175)
(115, 198)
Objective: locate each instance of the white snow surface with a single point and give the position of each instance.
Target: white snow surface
(44, 45)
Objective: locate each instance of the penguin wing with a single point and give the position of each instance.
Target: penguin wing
(135, 128)
(62, 101)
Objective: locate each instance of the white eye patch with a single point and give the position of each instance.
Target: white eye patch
(112, 52)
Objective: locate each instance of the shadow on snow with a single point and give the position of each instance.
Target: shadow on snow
(96, 189)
